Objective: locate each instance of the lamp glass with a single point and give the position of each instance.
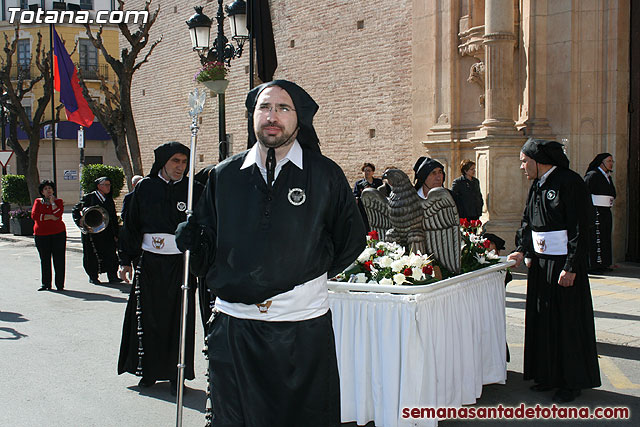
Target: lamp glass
(238, 23)
(200, 37)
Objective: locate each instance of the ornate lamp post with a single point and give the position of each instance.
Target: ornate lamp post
(222, 51)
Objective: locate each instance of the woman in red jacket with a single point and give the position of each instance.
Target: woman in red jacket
(50, 234)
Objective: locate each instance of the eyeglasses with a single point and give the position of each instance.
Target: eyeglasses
(266, 109)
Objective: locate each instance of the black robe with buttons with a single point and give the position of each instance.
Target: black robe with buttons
(151, 328)
(600, 254)
(560, 343)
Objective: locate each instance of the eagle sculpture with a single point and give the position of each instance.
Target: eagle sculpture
(428, 226)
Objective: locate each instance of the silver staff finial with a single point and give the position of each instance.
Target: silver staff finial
(196, 102)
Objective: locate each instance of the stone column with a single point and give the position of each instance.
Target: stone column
(499, 41)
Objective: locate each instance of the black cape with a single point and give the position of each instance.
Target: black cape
(560, 342)
(99, 249)
(151, 329)
(600, 254)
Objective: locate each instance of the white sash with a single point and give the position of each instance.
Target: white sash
(306, 301)
(160, 243)
(550, 242)
(604, 201)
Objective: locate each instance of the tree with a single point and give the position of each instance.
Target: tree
(116, 114)
(11, 99)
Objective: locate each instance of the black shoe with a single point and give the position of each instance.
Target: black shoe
(173, 387)
(607, 270)
(115, 280)
(145, 382)
(45, 288)
(565, 395)
(541, 387)
(60, 289)
(95, 281)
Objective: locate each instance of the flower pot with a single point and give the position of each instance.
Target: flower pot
(21, 226)
(216, 86)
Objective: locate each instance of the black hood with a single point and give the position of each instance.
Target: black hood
(597, 161)
(305, 108)
(164, 152)
(546, 152)
(423, 167)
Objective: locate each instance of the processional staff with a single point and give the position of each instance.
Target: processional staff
(196, 105)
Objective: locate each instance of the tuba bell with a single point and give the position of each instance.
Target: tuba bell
(94, 219)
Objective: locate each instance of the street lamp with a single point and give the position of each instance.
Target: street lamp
(222, 51)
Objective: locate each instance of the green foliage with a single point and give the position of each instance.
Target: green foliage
(92, 172)
(15, 190)
(212, 71)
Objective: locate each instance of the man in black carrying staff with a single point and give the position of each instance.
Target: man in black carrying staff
(560, 342)
(99, 249)
(273, 224)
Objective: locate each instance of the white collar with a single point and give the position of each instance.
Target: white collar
(101, 196)
(168, 180)
(606, 174)
(544, 177)
(294, 156)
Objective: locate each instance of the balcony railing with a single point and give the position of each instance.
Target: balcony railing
(93, 72)
(25, 71)
(89, 72)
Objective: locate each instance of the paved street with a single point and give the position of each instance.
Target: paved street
(59, 350)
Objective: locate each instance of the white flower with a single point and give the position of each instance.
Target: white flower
(361, 278)
(415, 261)
(399, 278)
(366, 254)
(384, 261)
(416, 273)
(481, 259)
(398, 265)
(492, 255)
(386, 281)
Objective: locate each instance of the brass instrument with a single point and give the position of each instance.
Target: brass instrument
(94, 220)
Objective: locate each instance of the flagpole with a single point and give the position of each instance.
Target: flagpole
(53, 108)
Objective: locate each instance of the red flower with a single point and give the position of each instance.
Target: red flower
(379, 252)
(368, 264)
(486, 243)
(374, 235)
(407, 272)
(464, 223)
(427, 270)
(476, 223)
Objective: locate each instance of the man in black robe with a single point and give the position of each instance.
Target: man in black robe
(273, 224)
(99, 249)
(603, 193)
(560, 342)
(151, 330)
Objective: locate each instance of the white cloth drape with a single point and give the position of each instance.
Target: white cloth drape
(435, 349)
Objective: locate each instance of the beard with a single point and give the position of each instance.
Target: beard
(275, 141)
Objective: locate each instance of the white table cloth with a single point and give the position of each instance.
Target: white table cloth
(432, 349)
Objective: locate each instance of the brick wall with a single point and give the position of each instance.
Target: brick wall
(361, 78)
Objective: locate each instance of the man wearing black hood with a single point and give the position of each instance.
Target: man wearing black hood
(429, 173)
(151, 330)
(603, 193)
(99, 249)
(273, 224)
(560, 342)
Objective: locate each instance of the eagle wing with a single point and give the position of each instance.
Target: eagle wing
(376, 206)
(441, 225)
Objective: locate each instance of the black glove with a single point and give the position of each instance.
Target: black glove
(188, 236)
